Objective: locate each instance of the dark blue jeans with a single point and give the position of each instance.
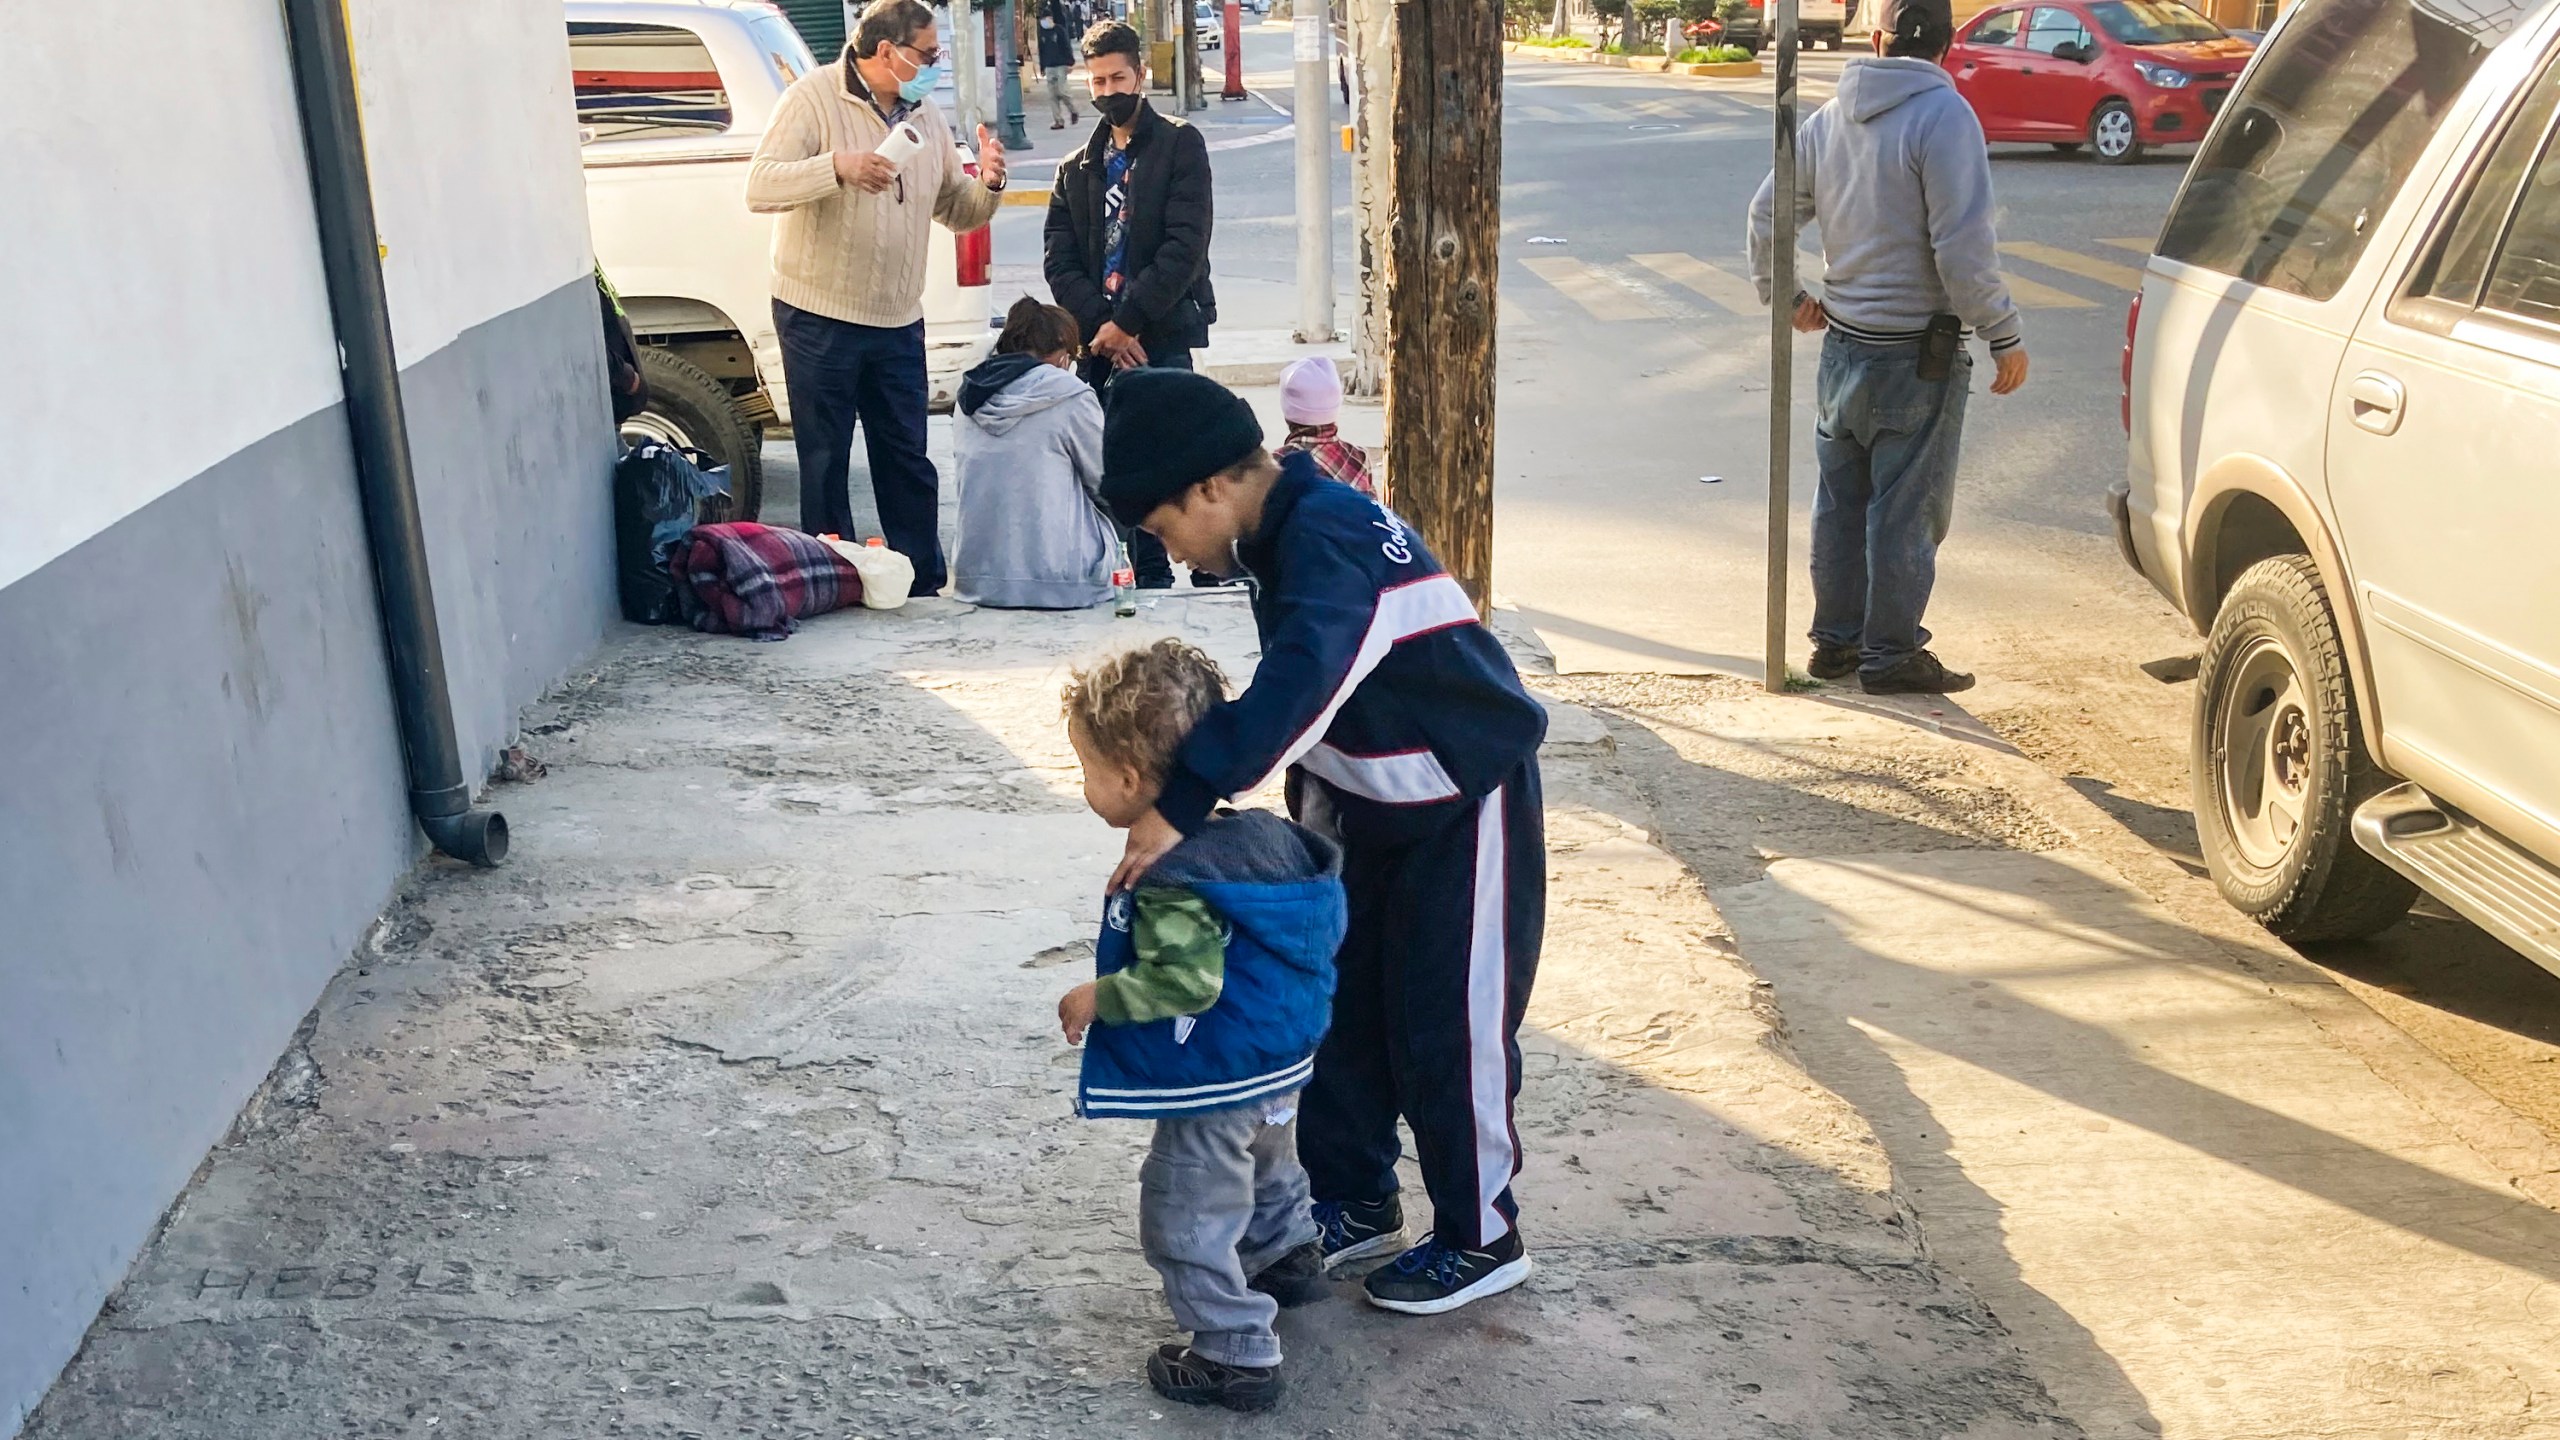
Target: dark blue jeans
(1886, 441)
(841, 373)
(1147, 560)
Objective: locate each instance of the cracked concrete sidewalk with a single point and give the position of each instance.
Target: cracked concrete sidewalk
(735, 1105)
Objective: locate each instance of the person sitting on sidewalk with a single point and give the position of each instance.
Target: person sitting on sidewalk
(1311, 401)
(1408, 737)
(1216, 975)
(1028, 442)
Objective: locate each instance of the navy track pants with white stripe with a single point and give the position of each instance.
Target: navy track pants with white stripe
(1433, 977)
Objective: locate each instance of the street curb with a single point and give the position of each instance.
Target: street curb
(1651, 65)
(1246, 359)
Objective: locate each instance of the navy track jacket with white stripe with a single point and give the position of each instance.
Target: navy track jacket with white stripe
(1375, 677)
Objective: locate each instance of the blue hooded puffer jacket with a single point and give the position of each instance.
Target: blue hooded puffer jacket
(1278, 888)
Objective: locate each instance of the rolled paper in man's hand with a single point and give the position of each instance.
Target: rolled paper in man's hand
(904, 143)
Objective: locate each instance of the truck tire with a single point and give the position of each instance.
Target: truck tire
(2279, 765)
(688, 407)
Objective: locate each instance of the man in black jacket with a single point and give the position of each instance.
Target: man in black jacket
(1057, 58)
(1128, 237)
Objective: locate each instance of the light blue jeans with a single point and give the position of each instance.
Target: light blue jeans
(1886, 441)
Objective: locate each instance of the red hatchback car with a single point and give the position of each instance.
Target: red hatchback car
(2114, 75)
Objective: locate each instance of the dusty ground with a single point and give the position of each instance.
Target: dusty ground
(2211, 1193)
(734, 1105)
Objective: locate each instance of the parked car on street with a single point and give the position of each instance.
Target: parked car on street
(1212, 20)
(2342, 392)
(673, 96)
(1820, 22)
(2114, 75)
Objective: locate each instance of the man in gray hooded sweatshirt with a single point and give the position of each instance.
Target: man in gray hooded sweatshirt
(1895, 172)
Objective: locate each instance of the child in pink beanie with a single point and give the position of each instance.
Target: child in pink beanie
(1311, 401)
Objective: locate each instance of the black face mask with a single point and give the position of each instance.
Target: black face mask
(1118, 109)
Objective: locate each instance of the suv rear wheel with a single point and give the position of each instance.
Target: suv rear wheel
(2279, 767)
(688, 407)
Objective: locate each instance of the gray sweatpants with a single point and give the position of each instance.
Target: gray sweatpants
(1220, 1198)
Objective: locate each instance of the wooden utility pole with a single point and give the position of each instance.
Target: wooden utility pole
(1444, 248)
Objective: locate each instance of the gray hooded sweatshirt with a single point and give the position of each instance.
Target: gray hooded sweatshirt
(1030, 458)
(1895, 171)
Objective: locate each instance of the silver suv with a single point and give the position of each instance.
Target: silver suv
(2343, 395)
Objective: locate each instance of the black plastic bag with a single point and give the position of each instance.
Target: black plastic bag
(659, 493)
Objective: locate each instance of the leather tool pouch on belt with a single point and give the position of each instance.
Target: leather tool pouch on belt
(1938, 347)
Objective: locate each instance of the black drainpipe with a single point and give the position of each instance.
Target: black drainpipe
(324, 80)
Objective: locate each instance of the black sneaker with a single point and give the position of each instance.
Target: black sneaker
(1296, 1278)
(1919, 673)
(1357, 1232)
(1180, 1375)
(1830, 662)
(1433, 1278)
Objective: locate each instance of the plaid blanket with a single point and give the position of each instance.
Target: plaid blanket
(1335, 456)
(759, 581)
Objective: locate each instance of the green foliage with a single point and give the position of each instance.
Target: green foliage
(1523, 18)
(1712, 55)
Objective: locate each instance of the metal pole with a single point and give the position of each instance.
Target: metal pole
(968, 111)
(1311, 30)
(1231, 18)
(1187, 58)
(1009, 64)
(1782, 341)
(324, 81)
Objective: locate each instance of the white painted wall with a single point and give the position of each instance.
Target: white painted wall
(158, 266)
(472, 134)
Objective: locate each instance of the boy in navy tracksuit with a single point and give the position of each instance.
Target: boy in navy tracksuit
(1215, 984)
(1408, 737)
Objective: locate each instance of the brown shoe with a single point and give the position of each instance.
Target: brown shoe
(1919, 673)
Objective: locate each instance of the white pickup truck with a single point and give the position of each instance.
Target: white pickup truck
(673, 96)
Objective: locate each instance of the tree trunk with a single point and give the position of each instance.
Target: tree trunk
(1443, 254)
(1563, 21)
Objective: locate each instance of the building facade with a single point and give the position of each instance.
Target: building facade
(202, 801)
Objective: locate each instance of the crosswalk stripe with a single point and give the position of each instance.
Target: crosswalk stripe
(1589, 289)
(2105, 272)
(2033, 296)
(1544, 114)
(1732, 292)
(2138, 247)
(1662, 110)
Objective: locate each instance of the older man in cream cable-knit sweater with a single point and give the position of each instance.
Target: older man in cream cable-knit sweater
(848, 269)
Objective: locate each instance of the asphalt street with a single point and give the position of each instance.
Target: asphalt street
(1632, 492)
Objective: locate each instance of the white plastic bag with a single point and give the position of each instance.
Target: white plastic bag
(886, 574)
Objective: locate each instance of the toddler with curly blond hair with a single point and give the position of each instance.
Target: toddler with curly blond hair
(1214, 987)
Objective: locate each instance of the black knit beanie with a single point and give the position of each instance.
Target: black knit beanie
(1164, 431)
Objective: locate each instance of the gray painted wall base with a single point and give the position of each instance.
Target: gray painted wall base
(205, 802)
